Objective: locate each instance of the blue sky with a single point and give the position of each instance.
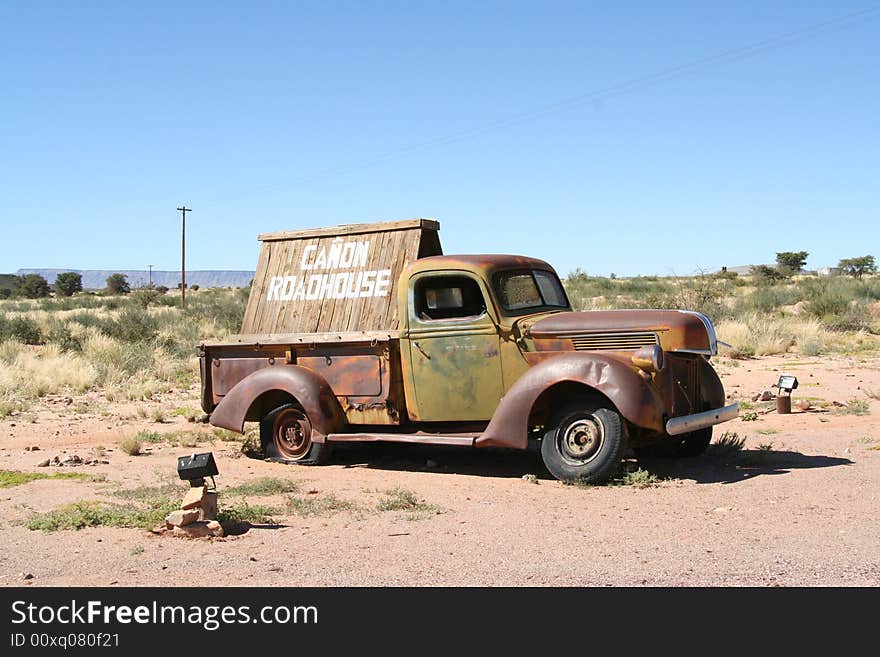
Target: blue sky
(269, 116)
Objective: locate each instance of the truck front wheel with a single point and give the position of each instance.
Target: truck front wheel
(583, 444)
(693, 443)
(286, 436)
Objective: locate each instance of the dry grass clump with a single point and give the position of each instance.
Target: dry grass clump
(131, 446)
(756, 335)
(33, 373)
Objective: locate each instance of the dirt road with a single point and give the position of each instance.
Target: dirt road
(797, 506)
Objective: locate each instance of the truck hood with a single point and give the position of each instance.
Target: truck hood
(676, 330)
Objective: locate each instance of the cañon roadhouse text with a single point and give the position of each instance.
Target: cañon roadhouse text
(345, 278)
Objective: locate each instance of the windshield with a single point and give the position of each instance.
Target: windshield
(526, 289)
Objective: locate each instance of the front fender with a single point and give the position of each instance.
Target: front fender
(309, 389)
(635, 399)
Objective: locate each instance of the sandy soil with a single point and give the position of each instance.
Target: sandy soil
(799, 508)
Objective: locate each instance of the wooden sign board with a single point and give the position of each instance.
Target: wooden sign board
(335, 279)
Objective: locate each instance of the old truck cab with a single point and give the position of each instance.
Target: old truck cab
(473, 350)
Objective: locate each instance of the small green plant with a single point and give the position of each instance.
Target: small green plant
(191, 414)
(99, 514)
(749, 417)
(10, 478)
(767, 432)
(145, 436)
(226, 435)
(727, 445)
(157, 415)
(639, 479)
(855, 407)
(242, 512)
(264, 487)
(400, 499)
(131, 446)
(251, 445)
(318, 505)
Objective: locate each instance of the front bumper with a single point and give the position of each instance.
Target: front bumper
(688, 423)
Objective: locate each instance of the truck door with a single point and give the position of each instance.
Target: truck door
(453, 349)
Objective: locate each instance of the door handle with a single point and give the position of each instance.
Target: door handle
(419, 347)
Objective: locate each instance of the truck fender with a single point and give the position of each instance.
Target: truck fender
(634, 399)
(246, 400)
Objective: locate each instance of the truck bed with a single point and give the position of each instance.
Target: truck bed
(362, 368)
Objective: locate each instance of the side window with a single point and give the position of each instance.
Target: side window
(448, 297)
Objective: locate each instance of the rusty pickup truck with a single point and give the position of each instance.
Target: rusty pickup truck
(367, 332)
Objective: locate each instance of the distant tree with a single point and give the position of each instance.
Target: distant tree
(33, 286)
(161, 289)
(791, 261)
(68, 284)
(766, 273)
(858, 266)
(193, 287)
(5, 293)
(118, 284)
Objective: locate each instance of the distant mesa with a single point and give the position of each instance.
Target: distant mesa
(96, 279)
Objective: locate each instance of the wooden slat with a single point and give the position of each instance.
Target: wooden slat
(350, 229)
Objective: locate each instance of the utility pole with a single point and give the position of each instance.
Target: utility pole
(183, 209)
(150, 285)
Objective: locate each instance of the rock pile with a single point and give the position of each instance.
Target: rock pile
(197, 516)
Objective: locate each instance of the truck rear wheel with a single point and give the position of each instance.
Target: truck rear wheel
(286, 436)
(583, 443)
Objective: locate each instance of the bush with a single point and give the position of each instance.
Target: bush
(133, 324)
(68, 283)
(118, 284)
(145, 297)
(21, 329)
(33, 286)
(131, 446)
(59, 333)
(766, 275)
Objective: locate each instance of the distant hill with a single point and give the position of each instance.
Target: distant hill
(96, 279)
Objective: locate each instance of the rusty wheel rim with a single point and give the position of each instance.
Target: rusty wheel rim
(292, 434)
(582, 440)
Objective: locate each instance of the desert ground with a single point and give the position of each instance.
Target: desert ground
(796, 505)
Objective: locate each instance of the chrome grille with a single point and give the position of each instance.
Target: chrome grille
(613, 341)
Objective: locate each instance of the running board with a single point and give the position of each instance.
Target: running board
(423, 438)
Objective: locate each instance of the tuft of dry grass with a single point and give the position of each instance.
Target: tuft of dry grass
(131, 446)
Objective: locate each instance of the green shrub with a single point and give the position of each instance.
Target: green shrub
(20, 329)
(134, 324)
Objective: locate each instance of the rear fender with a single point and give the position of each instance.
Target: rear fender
(251, 397)
(633, 397)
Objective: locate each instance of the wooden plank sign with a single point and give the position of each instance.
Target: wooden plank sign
(342, 278)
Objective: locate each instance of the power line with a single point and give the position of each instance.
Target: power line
(730, 55)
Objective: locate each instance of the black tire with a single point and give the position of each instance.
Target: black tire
(286, 437)
(693, 443)
(584, 442)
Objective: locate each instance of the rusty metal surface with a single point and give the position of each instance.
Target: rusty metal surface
(418, 437)
(675, 329)
(257, 394)
(636, 400)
